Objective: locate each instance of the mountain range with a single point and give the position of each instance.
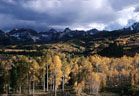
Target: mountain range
(30, 36)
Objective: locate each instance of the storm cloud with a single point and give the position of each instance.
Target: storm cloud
(76, 14)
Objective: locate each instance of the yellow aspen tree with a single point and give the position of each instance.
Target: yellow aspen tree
(66, 71)
(104, 62)
(94, 81)
(135, 68)
(79, 88)
(45, 61)
(75, 69)
(34, 73)
(96, 61)
(83, 71)
(137, 76)
(56, 72)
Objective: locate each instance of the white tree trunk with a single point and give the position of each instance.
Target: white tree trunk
(28, 82)
(33, 91)
(20, 89)
(43, 80)
(47, 79)
(55, 84)
(63, 83)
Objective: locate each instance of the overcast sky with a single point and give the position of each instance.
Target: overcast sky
(75, 14)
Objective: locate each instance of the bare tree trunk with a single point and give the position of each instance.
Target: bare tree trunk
(33, 88)
(7, 89)
(47, 79)
(63, 83)
(28, 82)
(55, 84)
(97, 90)
(20, 89)
(43, 80)
(97, 67)
(91, 88)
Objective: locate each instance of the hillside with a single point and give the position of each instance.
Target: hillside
(76, 64)
(89, 44)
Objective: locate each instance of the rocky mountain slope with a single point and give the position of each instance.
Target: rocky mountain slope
(29, 36)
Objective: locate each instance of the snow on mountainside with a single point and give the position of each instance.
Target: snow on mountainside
(31, 36)
(134, 27)
(23, 35)
(92, 31)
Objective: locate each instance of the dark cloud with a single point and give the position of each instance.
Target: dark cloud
(137, 9)
(77, 14)
(121, 4)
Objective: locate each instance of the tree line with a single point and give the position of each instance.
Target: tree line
(59, 72)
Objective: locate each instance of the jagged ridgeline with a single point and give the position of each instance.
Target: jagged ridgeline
(30, 36)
